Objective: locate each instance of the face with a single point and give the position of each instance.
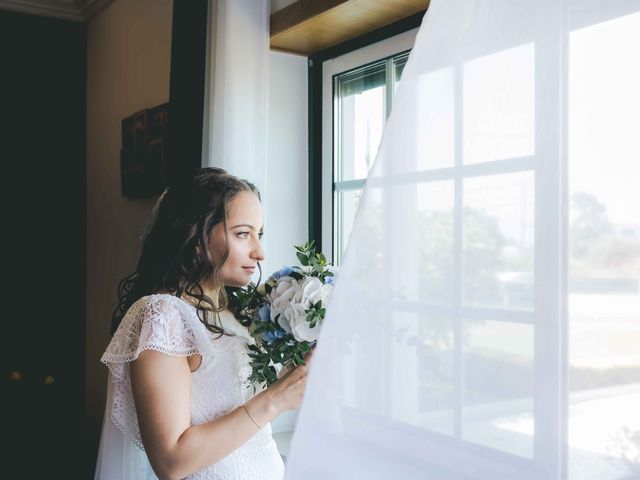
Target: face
(244, 226)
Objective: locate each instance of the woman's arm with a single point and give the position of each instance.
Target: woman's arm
(161, 387)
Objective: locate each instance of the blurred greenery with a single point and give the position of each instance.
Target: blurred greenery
(603, 257)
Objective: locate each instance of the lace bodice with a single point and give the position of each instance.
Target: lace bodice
(169, 325)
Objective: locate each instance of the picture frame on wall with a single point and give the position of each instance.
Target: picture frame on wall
(156, 165)
(140, 130)
(127, 133)
(142, 156)
(158, 122)
(142, 171)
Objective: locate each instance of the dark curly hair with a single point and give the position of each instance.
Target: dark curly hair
(174, 256)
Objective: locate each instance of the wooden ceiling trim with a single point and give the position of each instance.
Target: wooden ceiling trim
(308, 26)
(299, 12)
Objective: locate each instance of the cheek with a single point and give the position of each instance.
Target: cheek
(236, 253)
(217, 245)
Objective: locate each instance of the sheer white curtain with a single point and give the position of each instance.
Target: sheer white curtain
(238, 88)
(486, 318)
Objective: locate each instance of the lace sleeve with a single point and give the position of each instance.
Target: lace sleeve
(151, 323)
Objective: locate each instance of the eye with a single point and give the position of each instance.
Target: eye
(243, 234)
(260, 235)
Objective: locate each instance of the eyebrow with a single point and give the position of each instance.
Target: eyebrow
(246, 225)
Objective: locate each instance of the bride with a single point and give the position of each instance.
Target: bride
(179, 403)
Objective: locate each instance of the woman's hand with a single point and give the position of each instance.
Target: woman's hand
(287, 393)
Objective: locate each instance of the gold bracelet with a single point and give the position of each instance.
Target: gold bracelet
(251, 416)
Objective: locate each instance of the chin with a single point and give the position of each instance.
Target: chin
(236, 282)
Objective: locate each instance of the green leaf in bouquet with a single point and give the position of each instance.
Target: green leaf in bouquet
(304, 347)
(275, 357)
(323, 260)
(270, 375)
(297, 360)
(261, 327)
(304, 260)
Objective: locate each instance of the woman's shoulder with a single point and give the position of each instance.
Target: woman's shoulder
(159, 304)
(157, 322)
(161, 309)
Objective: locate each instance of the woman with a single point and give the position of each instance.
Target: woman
(179, 403)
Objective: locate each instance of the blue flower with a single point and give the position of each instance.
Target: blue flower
(330, 280)
(283, 272)
(264, 313)
(270, 337)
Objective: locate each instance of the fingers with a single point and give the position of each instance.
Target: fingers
(289, 389)
(309, 355)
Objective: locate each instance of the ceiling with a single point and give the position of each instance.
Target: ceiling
(297, 26)
(82, 10)
(77, 10)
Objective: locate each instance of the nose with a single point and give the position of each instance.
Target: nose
(257, 253)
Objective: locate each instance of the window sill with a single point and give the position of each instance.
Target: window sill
(283, 441)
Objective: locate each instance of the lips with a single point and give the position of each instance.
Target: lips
(249, 269)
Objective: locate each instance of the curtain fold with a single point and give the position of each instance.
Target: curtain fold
(486, 318)
(238, 88)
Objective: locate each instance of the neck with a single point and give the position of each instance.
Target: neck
(208, 290)
(211, 292)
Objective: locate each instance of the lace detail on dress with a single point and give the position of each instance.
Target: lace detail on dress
(154, 323)
(170, 325)
(151, 323)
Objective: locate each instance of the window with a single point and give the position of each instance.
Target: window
(473, 221)
(358, 91)
(508, 278)
(475, 279)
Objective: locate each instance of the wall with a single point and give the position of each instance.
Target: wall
(128, 64)
(280, 4)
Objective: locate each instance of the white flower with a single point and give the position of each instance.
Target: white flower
(313, 291)
(280, 298)
(291, 299)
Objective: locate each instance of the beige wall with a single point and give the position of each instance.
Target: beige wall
(128, 67)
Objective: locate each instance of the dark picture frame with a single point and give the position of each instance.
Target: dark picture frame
(142, 156)
(158, 122)
(127, 133)
(140, 130)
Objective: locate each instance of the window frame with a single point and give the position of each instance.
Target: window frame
(380, 51)
(315, 116)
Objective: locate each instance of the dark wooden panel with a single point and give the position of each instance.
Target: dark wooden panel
(187, 88)
(43, 160)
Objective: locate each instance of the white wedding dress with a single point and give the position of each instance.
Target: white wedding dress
(170, 325)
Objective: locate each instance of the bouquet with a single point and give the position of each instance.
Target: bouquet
(285, 313)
